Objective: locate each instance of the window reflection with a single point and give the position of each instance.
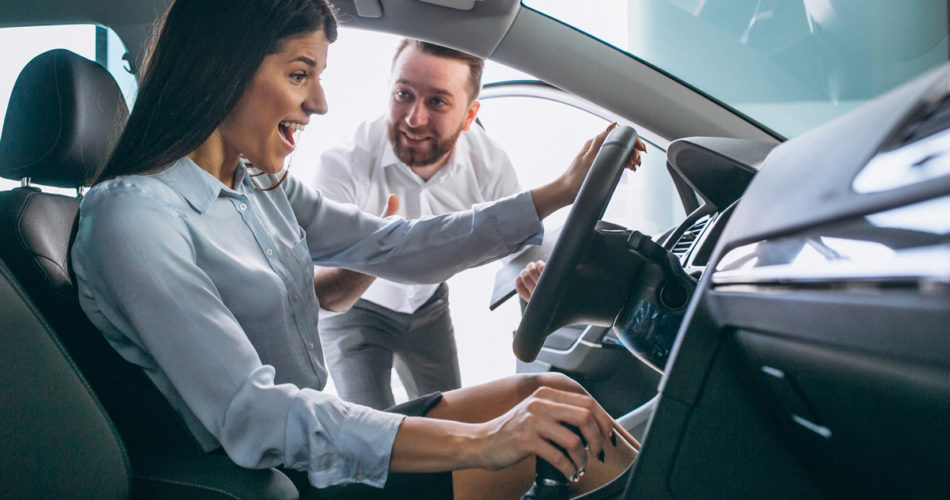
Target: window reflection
(897, 237)
(931, 216)
(856, 250)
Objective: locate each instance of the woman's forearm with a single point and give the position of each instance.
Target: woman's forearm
(498, 424)
(551, 197)
(433, 445)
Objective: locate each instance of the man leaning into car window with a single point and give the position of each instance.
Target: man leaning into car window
(427, 153)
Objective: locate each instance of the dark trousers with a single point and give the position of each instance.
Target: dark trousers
(363, 345)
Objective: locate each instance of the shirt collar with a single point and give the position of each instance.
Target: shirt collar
(198, 187)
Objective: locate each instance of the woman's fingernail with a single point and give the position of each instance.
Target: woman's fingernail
(602, 456)
(613, 438)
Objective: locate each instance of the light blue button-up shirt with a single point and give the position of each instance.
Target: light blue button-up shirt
(210, 290)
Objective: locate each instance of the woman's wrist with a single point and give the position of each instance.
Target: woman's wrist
(433, 445)
(552, 196)
(473, 445)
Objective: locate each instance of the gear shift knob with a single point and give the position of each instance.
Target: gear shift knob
(549, 483)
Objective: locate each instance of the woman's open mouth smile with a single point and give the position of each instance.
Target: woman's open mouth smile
(287, 131)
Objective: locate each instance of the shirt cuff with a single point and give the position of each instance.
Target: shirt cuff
(366, 445)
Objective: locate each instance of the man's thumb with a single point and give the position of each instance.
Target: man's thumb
(392, 204)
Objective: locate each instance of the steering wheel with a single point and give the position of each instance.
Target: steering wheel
(572, 288)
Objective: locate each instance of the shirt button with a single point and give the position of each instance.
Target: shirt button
(243, 206)
(310, 345)
(269, 252)
(295, 298)
(358, 477)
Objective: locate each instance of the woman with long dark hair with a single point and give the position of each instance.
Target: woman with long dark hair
(194, 257)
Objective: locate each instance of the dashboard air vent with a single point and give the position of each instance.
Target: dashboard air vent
(688, 238)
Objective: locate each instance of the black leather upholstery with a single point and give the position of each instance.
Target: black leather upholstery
(57, 440)
(68, 139)
(42, 224)
(39, 227)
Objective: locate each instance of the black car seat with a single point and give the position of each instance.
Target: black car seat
(57, 440)
(64, 115)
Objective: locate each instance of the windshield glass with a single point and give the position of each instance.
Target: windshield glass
(788, 64)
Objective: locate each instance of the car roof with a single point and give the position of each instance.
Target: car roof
(502, 30)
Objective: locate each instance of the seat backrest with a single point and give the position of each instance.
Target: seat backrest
(64, 116)
(57, 440)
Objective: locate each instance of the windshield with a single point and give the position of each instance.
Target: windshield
(790, 65)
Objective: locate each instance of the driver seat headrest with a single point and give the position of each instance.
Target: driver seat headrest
(64, 117)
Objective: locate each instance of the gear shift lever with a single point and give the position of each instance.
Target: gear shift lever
(549, 483)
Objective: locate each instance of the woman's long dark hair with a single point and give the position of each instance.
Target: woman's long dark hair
(202, 56)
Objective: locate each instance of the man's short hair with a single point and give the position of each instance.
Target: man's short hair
(475, 64)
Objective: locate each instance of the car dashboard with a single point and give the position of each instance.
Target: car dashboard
(813, 361)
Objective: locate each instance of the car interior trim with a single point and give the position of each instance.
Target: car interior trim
(541, 90)
(839, 150)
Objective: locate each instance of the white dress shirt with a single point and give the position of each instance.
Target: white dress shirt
(365, 170)
(210, 290)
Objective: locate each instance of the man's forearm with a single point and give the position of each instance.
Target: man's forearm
(338, 289)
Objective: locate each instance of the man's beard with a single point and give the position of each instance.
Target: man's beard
(434, 150)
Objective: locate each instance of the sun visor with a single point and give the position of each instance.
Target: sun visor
(368, 8)
(454, 4)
